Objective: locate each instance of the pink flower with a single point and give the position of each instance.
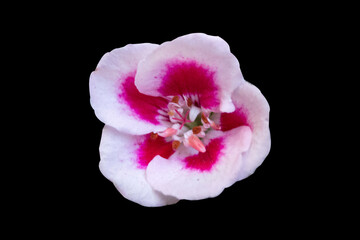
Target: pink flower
(180, 120)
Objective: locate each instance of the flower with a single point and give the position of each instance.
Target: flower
(180, 120)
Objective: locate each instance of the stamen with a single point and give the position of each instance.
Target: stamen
(181, 110)
(175, 99)
(189, 102)
(175, 144)
(214, 125)
(196, 143)
(204, 118)
(196, 129)
(153, 136)
(168, 132)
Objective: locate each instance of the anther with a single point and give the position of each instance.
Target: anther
(189, 102)
(171, 113)
(153, 136)
(175, 144)
(196, 129)
(168, 132)
(214, 125)
(196, 143)
(204, 118)
(175, 99)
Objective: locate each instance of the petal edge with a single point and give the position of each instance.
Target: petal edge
(181, 177)
(188, 65)
(112, 92)
(119, 165)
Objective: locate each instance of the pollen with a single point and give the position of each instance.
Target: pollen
(171, 113)
(189, 102)
(196, 129)
(175, 144)
(153, 136)
(204, 118)
(175, 99)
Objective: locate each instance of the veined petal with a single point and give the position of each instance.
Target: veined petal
(195, 65)
(123, 161)
(252, 110)
(114, 97)
(189, 174)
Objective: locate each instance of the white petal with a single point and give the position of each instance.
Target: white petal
(192, 65)
(252, 110)
(114, 97)
(119, 164)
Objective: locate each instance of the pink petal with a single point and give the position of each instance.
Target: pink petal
(252, 110)
(189, 174)
(114, 97)
(120, 163)
(195, 65)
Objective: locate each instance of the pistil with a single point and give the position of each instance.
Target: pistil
(182, 119)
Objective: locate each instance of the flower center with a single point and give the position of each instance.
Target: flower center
(189, 123)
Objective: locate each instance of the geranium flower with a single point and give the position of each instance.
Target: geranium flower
(180, 120)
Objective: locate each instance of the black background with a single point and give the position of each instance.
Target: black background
(270, 44)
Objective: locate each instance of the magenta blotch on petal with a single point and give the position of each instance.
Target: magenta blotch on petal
(149, 148)
(113, 95)
(189, 78)
(119, 163)
(196, 64)
(205, 161)
(145, 107)
(252, 110)
(188, 174)
(234, 119)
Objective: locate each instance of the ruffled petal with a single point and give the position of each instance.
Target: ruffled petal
(252, 110)
(195, 65)
(189, 174)
(123, 161)
(116, 100)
